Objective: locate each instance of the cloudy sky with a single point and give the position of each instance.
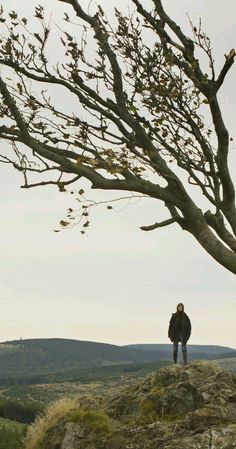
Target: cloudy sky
(116, 284)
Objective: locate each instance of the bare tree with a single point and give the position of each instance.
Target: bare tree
(138, 98)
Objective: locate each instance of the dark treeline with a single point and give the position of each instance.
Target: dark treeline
(15, 410)
(84, 375)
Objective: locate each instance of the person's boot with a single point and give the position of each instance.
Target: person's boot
(185, 357)
(175, 356)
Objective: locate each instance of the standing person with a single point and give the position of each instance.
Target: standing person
(179, 331)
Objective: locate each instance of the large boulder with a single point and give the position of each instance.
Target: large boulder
(191, 406)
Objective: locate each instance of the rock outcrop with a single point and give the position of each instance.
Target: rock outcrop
(177, 407)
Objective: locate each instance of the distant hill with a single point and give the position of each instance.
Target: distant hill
(228, 363)
(45, 356)
(226, 355)
(42, 357)
(206, 349)
(195, 351)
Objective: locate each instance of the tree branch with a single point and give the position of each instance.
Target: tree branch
(216, 222)
(45, 183)
(160, 224)
(229, 60)
(228, 203)
(102, 36)
(9, 101)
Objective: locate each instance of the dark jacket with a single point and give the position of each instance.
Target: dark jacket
(180, 324)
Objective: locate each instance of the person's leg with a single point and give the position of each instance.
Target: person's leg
(175, 352)
(184, 351)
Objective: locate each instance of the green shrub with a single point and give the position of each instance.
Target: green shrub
(148, 406)
(169, 419)
(55, 415)
(63, 411)
(92, 420)
(11, 435)
(147, 411)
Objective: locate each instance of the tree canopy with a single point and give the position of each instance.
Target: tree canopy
(121, 104)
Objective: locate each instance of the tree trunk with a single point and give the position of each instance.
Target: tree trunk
(216, 248)
(195, 223)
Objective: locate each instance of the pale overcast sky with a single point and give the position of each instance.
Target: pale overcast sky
(116, 284)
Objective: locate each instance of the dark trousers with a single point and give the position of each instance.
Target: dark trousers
(176, 342)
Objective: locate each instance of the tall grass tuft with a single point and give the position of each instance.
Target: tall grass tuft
(57, 415)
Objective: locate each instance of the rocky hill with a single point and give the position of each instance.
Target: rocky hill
(176, 407)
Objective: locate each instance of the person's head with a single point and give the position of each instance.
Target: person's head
(180, 307)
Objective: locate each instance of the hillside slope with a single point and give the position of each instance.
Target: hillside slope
(195, 351)
(38, 357)
(45, 356)
(175, 407)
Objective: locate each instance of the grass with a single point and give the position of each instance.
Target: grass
(57, 415)
(54, 415)
(93, 421)
(11, 434)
